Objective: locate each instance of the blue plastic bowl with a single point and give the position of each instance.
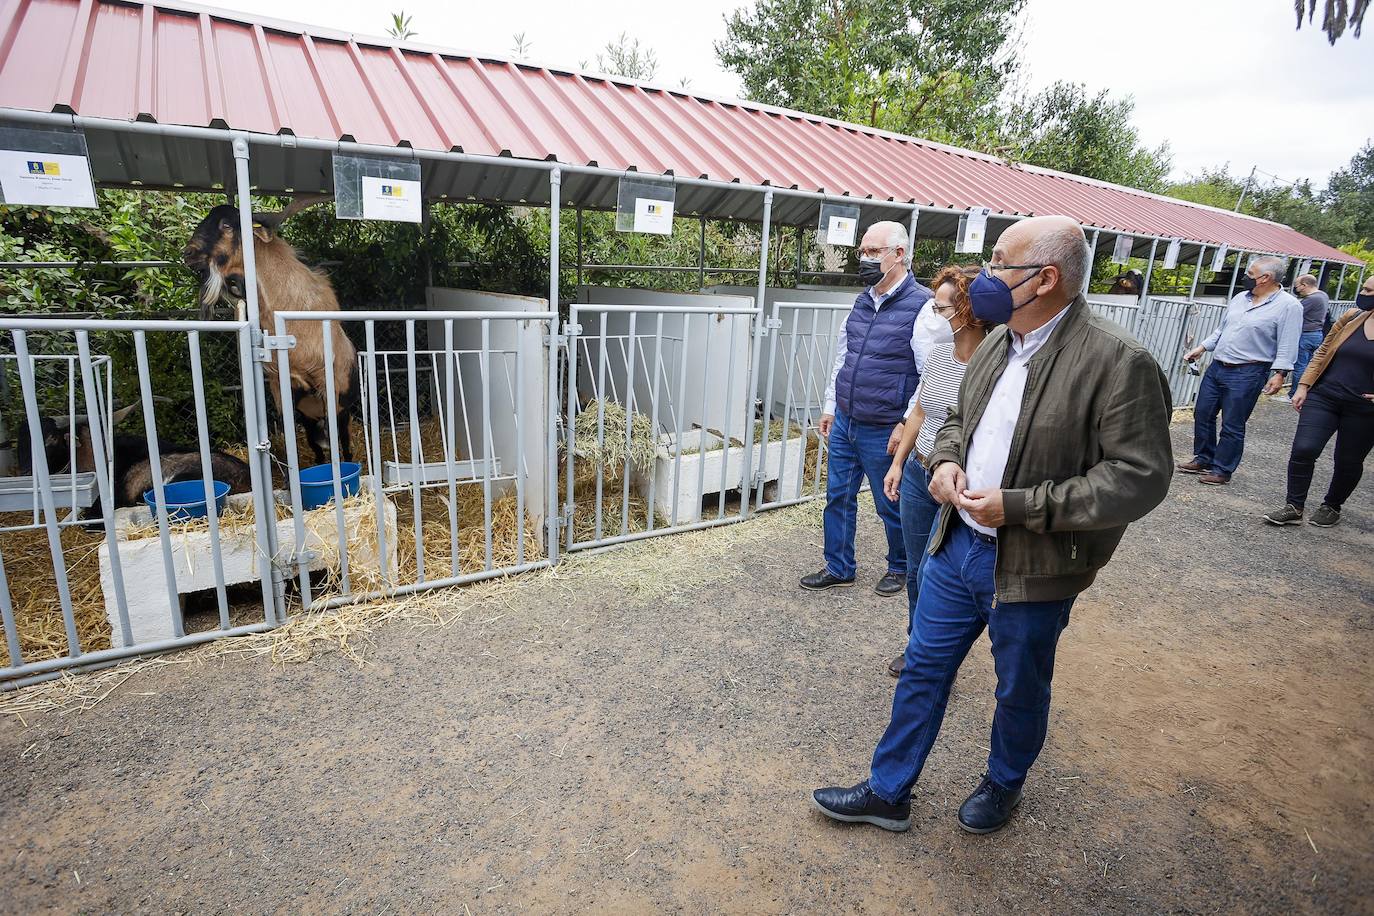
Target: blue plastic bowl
(186, 499)
(317, 483)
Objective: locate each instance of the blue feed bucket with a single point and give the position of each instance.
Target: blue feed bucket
(186, 499)
(317, 483)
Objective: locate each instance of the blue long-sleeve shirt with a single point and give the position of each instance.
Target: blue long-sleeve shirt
(1258, 332)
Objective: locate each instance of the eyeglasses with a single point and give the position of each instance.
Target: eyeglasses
(941, 309)
(990, 267)
(874, 252)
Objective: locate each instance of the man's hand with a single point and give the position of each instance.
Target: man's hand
(1194, 354)
(1300, 397)
(827, 421)
(892, 483)
(984, 507)
(947, 482)
(895, 439)
(1274, 384)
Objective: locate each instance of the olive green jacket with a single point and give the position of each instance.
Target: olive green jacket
(1090, 452)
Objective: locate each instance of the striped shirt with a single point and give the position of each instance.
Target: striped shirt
(939, 391)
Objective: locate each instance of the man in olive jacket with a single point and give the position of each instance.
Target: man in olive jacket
(1059, 441)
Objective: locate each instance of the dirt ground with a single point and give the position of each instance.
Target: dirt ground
(638, 732)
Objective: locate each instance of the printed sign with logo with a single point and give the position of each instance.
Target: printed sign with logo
(841, 230)
(653, 215)
(394, 199)
(1219, 259)
(1122, 252)
(46, 179)
(1171, 253)
(973, 230)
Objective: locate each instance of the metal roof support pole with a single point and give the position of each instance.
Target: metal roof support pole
(760, 325)
(259, 445)
(1359, 284)
(1235, 275)
(1092, 260)
(801, 233)
(911, 234)
(551, 516)
(701, 256)
(1197, 272)
(1340, 284)
(1149, 268)
(579, 247)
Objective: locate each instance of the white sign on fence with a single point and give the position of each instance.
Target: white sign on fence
(841, 230)
(394, 199)
(973, 230)
(1219, 259)
(46, 179)
(1171, 253)
(653, 215)
(1122, 252)
(1305, 266)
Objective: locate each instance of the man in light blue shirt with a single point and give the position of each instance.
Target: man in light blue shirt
(1258, 336)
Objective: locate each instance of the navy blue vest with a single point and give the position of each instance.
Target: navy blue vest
(879, 373)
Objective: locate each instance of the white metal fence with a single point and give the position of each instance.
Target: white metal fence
(484, 443)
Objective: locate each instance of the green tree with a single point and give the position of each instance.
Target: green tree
(624, 57)
(1336, 16)
(1350, 194)
(934, 68)
(1066, 128)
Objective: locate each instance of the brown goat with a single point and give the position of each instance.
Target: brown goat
(215, 254)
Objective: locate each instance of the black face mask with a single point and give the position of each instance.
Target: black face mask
(871, 273)
(1247, 283)
(1364, 301)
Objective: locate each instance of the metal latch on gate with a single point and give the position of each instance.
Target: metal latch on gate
(272, 343)
(295, 560)
(772, 324)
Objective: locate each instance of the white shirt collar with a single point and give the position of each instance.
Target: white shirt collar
(1036, 339)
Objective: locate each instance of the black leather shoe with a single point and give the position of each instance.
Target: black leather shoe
(897, 665)
(890, 584)
(858, 805)
(819, 582)
(988, 808)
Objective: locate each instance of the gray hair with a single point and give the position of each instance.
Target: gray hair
(1305, 280)
(1067, 249)
(1272, 267)
(894, 235)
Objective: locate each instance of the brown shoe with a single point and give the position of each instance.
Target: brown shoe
(897, 665)
(1191, 467)
(1215, 479)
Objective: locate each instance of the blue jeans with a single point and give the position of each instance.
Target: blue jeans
(957, 592)
(1234, 392)
(1307, 345)
(918, 509)
(858, 450)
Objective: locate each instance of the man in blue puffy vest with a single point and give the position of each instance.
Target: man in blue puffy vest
(872, 386)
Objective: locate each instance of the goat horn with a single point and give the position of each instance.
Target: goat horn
(274, 219)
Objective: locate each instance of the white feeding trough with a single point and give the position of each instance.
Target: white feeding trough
(144, 573)
(683, 478)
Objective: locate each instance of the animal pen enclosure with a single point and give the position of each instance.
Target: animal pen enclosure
(492, 432)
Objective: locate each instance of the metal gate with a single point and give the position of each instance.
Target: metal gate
(88, 571)
(660, 431)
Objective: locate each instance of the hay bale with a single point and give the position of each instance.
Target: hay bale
(611, 451)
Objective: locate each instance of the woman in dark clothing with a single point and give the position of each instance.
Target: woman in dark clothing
(1334, 397)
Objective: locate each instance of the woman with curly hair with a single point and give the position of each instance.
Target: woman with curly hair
(907, 482)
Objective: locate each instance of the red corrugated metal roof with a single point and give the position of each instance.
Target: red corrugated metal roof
(201, 67)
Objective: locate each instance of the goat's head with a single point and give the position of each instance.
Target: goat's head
(57, 434)
(214, 252)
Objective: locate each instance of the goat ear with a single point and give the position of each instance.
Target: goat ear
(262, 233)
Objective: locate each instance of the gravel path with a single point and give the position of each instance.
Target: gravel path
(602, 738)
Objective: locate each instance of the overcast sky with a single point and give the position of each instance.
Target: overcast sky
(1223, 81)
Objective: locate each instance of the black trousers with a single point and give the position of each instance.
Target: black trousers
(1322, 416)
